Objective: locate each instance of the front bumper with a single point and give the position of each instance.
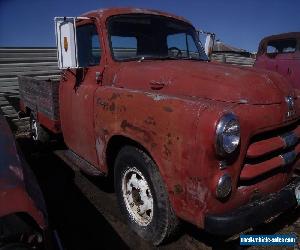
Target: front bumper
(253, 213)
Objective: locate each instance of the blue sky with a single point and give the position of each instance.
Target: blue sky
(241, 23)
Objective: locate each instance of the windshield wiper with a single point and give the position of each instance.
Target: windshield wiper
(157, 58)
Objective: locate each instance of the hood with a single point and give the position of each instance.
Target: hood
(208, 80)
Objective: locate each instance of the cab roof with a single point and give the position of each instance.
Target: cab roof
(106, 13)
(281, 36)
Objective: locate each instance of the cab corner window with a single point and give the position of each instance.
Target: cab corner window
(88, 44)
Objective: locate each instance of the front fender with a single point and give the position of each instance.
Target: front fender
(166, 126)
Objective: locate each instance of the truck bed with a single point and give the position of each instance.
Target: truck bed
(41, 98)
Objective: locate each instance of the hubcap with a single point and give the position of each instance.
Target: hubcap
(137, 196)
(34, 130)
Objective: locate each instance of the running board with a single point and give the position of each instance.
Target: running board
(74, 160)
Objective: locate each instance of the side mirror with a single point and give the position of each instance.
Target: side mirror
(66, 42)
(209, 44)
(208, 39)
(65, 31)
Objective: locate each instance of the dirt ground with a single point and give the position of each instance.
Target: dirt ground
(84, 211)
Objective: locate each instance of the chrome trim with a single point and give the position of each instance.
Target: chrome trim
(290, 106)
(220, 129)
(290, 102)
(289, 157)
(223, 165)
(290, 139)
(224, 186)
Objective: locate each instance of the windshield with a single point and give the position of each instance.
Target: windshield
(139, 37)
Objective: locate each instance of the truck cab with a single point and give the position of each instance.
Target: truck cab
(184, 138)
(281, 53)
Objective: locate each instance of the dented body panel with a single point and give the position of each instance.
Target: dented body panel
(286, 62)
(171, 108)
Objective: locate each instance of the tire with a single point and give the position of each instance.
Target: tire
(142, 196)
(38, 133)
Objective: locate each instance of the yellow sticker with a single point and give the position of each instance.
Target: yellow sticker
(66, 45)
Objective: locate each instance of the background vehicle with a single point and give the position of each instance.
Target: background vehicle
(281, 53)
(183, 137)
(23, 216)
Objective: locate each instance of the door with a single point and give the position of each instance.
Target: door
(77, 93)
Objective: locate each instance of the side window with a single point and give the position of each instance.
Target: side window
(88, 45)
(124, 47)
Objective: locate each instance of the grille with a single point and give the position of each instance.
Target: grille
(271, 152)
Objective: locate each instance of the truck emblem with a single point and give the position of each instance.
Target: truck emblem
(291, 106)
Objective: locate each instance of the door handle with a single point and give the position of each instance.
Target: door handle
(156, 85)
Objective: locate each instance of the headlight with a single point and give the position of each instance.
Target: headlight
(227, 135)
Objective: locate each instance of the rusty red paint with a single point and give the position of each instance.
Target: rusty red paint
(14, 194)
(52, 125)
(264, 147)
(176, 124)
(254, 170)
(285, 63)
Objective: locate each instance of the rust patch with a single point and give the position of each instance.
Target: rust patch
(122, 108)
(146, 135)
(102, 103)
(114, 96)
(196, 191)
(112, 107)
(105, 132)
(150, 121)
(178, 189)
(164, 81)
(100, 146)
(168, 109)
(169, 139)
(167, 151)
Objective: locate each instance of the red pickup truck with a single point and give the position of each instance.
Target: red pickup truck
(281, 53)
(183, 137)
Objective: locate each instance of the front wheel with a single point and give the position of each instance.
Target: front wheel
(142, 196)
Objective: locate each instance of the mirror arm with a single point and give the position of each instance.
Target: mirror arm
(69, 70)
